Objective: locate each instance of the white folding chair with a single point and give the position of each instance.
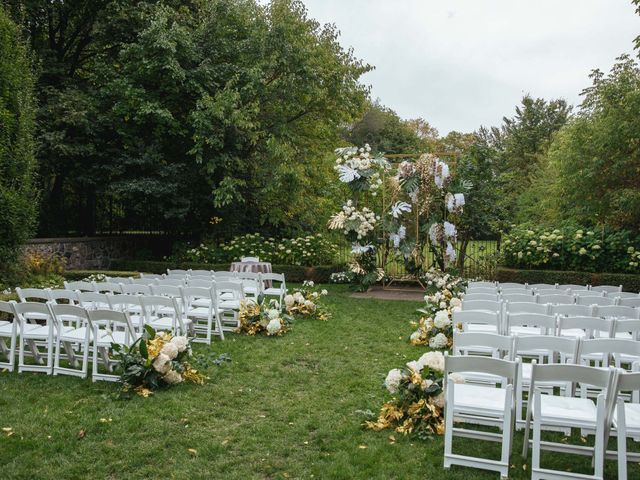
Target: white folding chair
(8, 334)
(567, 412)
(482, 344)
(39, 337)
(584, 327)
(512, 285)
(587, 293)
(173, 282)
(516, 291)
(603, 351)
(518, 298)
(624, 295)
(492, 297)
(136, 289)
(229, 296)
(478, 321)
(200, 283)
(629, 302)
(543, 286)
(168, 291)
(94, 301)
(487, 290)
(107, 287)
(625, 328)
(601, 301)
(203, 317)
(544, 349)
(626, 419)
(132, 304)
(74, 335)
(573, 310)
(526, 307)
(572, 286)
(556, 299)
(278, 286)
(529, 324)
(109, 327)
(39, 295)
(251, 284)
(607, 288)
(80, 285)
(64, 297)
(490, 405)
(222, 276)
(164, 313)
(552, 291)
(120, 280)
(616, 311)
(485, 305)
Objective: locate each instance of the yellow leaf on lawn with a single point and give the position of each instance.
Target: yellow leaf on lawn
(192, 451)
(362, 446)
(6, 429)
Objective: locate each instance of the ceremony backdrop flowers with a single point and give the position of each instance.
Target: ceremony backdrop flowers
(263, 317)
(418, 403)
(155, 360)
(414, 215)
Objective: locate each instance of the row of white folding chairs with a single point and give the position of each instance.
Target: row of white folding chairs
(62, 332)
(609, 291)
(543, 305)
(496, 405)
(580, 326)
(545, 297)
(538, 286)
(210, 311)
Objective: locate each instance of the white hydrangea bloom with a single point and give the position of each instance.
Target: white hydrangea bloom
(439, 341)
(441, 319)
(172, 377)
(433, 360)
(273, 314)
(392, 382)
(170, 350)
(162, 364)
(181, 342)
(274, 326)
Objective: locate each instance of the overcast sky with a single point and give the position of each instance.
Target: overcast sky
(464, 63)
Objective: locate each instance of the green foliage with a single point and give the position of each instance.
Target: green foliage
(171, 113)
(307, 251)
(594, 162)
(18, 197)
(571, 248)
(630, 283)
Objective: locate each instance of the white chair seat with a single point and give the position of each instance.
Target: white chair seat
(229, 305)
(226, 296)
(106, 339)
(166, 323)
(74, 335)
(631, 416)
(272, 291)
(251, 290)
(478, 399)
(198, 312)
(5, 327)
(41, 332)
(200, 302)
(567, 409)
(137, 320)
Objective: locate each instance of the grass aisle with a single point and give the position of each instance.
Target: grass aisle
(283, 408)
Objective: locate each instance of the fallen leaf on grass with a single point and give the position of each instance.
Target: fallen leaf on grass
(362, 446)
(392, 439)
(192, 451)
(81, 434)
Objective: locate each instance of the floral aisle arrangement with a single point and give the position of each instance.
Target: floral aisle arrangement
(307, 302)
(263, 317)
(418, 403)
(442, 297)
(156, 360)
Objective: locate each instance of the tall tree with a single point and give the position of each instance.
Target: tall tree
(18, 197)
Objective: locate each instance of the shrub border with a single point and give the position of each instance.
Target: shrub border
(629, 282)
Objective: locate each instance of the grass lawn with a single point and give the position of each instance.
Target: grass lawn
(283, 408)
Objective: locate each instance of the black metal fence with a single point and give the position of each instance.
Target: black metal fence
(480, 260)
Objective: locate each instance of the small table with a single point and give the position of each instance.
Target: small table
(255, 267)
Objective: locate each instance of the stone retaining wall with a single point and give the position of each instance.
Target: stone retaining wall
(99, 252)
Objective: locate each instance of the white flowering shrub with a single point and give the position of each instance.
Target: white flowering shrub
(571, 248)
(311, 250)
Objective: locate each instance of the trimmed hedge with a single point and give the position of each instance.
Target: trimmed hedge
(292, 273)
(630, 283)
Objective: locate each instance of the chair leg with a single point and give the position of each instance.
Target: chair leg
(94, 369)
(537, 428)
(599, 447)
(448, 425)
(622, 442)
